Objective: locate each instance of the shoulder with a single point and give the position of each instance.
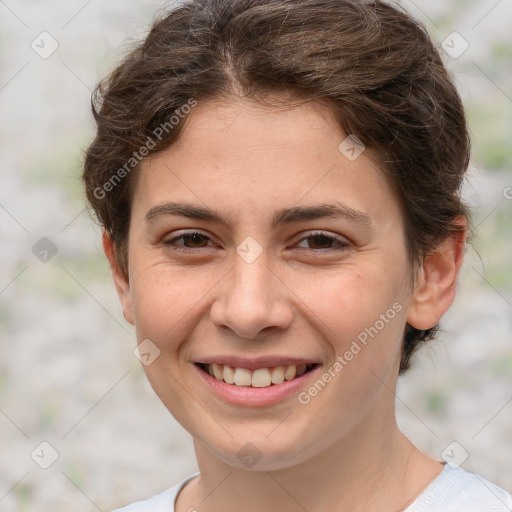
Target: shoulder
(458, 490)
(163, 502)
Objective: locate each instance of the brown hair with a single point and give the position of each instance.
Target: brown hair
(371, 63)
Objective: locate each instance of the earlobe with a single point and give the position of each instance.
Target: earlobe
(437, 281)
(120, 279)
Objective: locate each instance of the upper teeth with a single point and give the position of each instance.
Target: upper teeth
(260, 378)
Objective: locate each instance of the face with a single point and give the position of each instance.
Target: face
(259, 251)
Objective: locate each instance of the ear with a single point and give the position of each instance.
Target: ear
(120, 279)
(437, 281)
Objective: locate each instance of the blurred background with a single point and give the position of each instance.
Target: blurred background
(74, 399)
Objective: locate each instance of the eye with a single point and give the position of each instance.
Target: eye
(323, 242)
(190, 240)
(315, 241)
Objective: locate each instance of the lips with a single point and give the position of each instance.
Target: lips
(256, 381)
(261, 377)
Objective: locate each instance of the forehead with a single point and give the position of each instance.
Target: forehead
(233, 128)
(239, 155)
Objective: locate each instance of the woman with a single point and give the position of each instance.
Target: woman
(278, 184)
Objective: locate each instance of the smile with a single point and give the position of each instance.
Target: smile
(256, 378)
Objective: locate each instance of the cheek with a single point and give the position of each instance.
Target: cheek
(349, 300)
(164, 301)
(360, 314)
(361, 318)
(171, 304)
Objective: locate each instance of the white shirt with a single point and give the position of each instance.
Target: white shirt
(453, 490)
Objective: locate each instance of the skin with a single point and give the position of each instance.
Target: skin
(301, 297)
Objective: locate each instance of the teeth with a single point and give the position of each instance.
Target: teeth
(278, 375)
(218, 372)
(301, 369)
(290, 372)
(229, 375)
(242, 377)
(260, 378)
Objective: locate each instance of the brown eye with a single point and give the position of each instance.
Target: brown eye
(320, 242)
(323, 242)
(195, 240)
(192, 240)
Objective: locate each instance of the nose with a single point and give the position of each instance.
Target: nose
(252, 299)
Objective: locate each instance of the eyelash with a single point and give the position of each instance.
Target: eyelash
(340, 243)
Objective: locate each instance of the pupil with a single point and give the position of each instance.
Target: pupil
(318, 239)
(196, 239)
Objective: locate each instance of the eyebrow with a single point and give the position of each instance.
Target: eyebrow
(281, 217)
